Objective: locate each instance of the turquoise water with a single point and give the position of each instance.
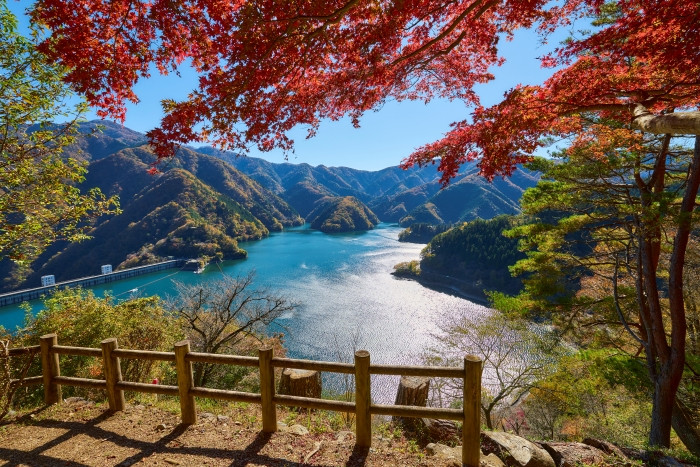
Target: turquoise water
(348, 297)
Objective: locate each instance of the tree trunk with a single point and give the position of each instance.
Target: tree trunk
(662, 410)
(413, 390)
(667, 371)
(301, 383)
(686, 428)
(487, 416)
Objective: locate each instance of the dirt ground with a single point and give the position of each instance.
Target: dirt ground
(81, 433)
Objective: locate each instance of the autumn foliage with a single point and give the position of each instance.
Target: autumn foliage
(266, 67)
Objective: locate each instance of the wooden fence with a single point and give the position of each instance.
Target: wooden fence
(363, 408)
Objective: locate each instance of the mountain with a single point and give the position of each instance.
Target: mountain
(341, 181)
(205, 201)
(469, 196)
(102, 138)
(394, 195)
(342, 214)
(198, 206)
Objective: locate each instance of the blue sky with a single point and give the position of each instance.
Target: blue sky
(386, 136)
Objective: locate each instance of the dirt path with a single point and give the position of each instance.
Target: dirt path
(84, 434)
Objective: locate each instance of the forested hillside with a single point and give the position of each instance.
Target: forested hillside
(342, 214)
(475, 252)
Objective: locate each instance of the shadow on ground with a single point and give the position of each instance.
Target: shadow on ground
(89, 442)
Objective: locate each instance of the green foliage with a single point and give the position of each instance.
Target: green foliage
(39, 202)
(595, 393)
(407, 269)
(422, 232)
(475, 250)
(81, 319)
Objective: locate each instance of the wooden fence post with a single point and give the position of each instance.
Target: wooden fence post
(50, 368)
(267, 390)
(113, 375)
(185, 382)
(471, 429)
(363, 399)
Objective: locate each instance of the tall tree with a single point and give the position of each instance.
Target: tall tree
(268, 66)
(39, 202)
(629, 199)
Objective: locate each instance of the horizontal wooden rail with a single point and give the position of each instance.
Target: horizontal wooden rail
(79, 351)
(427, 371)
(313, 403)
(29, 350)
(362, 407)
(80, 382)
(221, 359)
(298, 364)
(147, 388)
(416, 412)
(234, 396)
(30, 381)
(144, 355)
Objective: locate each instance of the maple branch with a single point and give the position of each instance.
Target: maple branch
(330, 18)
(448, 30)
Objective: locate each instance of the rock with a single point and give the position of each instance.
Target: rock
(442, 451)
(74, 400)
(454, 454)
(573, 454)
(491, 460)
(223, 418)
(514, 450)
(606, 447)
(439, 430)
(344, 436)
(298, 430)
(668, 461)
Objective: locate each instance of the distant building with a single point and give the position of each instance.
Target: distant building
(106, 269)
(48, 280)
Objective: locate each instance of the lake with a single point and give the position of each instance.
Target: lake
(348, 297)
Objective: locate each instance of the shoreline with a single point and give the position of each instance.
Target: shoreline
(453, 289)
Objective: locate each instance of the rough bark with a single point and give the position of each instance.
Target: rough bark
(678, 123)
(413, 390)
(301, 383)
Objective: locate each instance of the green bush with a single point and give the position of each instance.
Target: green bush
(81, 319)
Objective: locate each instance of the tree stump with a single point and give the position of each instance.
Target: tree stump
(301, 383)
(413, 390)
